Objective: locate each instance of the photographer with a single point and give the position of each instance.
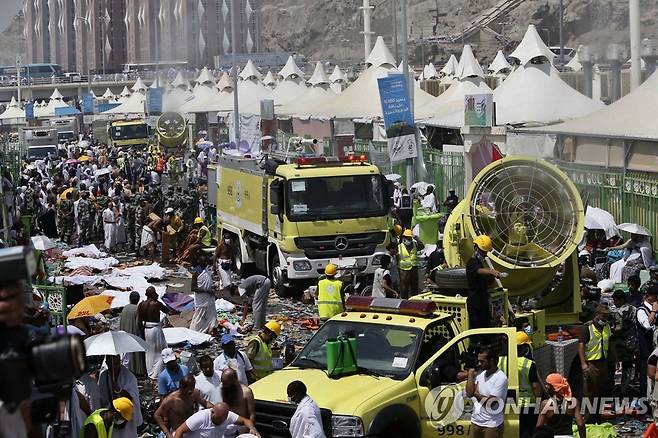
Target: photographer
(12, 304)
(37, 372)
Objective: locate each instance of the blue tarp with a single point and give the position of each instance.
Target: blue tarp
(66, 111)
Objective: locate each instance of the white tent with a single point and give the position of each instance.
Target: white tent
(205, 77)
(429, 72)
(338, 80)
(133, 104)
(361, 99)
(499, 63)
(574, 63)
(447, 109)
(180, 82)
(531, 46)
(292, 84)
(175, 98)
(534, 93)
(270, 81)
(250, 92)
(13, 113)
(451, 66)
(108, 94)
(631, 117)
(56, 101)
(124, 95)
(139, 86)
(319, 91)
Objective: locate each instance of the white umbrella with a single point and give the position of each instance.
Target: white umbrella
(114, 343)
(42, 243)
(103, 171)
(598, 219)
(634, 229)
(393, 177)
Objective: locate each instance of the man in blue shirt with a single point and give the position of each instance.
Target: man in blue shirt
(169, 379)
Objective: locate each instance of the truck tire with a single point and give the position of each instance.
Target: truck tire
(276, 277)
(454, 278)
(242, 269)
(395, 420)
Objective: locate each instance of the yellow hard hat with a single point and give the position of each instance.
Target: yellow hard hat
(397, 229)
(522, 338)
(125, 407)
(274, 327)
(330, 269)
(483, 242)
(198, 221)
(408, 233)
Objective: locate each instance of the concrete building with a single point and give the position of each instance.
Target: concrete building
(103, 35)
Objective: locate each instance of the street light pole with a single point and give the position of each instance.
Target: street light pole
(234, 41)
(410, 89)
(561, 36)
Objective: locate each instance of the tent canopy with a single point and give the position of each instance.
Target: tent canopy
(451, 66)
(180, 82)
(531, 46)
(499, 63)
(337, 75)
(134, 104)
(468, 66)
(319, 76)
(139, 86)
(631, 117)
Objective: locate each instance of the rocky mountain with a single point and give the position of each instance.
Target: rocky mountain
(330, 29)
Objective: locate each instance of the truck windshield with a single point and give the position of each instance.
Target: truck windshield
(384, 350)
(336, 197)
(129, 132)
(66, 136)
(41, 151)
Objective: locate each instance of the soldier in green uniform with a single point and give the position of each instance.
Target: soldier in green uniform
(139, 220)
(653, 279)
(591, 297)
(86, 218)
(101, 204)
(129, 215)
(66, 222)
(624, 338)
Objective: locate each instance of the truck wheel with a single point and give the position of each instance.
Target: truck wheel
(242, 269)
(276, 274)
(451, 279)
(395, 420)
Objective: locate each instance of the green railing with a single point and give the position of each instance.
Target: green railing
(55, 296)
(630, 197)
(10, 157)
(444, 169)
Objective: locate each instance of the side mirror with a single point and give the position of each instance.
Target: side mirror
(276, 196)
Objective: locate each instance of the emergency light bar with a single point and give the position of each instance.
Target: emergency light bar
(391, 305)
(304, 161)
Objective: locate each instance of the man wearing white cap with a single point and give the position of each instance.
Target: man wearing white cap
(169, 379)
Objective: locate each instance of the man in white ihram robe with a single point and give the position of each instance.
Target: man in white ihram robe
(109, 227)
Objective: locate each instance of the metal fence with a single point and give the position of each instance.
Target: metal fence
(444, 169)
(11, 154)
(629, 197)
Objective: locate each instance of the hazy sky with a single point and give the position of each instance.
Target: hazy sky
(9, 9)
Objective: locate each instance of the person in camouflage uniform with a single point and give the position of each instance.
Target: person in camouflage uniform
(65, 216)
(129, 215)
(653, 279)
(29, 202)
(86, 218)
(139, 220)
(623, 339)
(101, 204)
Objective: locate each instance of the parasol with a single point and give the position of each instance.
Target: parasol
(114, 343)
(599, 219)
(90, 306)
(634, 229)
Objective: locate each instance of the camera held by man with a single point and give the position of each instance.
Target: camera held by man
(37, 371)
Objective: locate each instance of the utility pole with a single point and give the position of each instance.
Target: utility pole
(561, 37)
(410, 86)
(395, 29)
(636, 64)
(367, 42)
(18, 76)
(234, 41)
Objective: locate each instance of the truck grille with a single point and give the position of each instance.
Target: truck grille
(273, 419)
(349, 245)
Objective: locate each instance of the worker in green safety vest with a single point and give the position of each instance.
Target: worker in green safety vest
(331, 297)
(593, 349)
(259, 349)
(101, 422)
(530, 389)
(408, 264)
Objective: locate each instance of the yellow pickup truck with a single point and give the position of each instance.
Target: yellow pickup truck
(396, 389)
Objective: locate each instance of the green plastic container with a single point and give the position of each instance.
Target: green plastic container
(341, 356)
(429, 227)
